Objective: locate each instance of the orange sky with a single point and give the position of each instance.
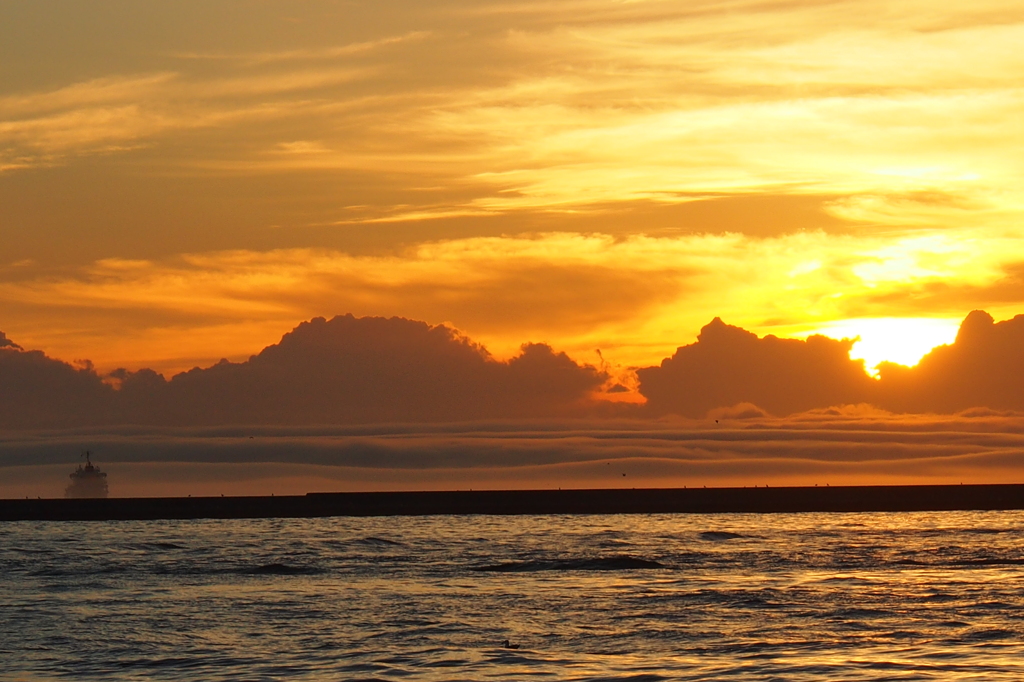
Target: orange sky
(181, 182)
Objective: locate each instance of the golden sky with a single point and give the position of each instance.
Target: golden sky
(185, 181)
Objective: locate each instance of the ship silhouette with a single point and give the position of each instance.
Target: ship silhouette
(87, 481)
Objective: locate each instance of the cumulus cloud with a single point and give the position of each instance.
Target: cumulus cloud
(983, 368)
(730, 372)
(728, 365)
(344, 370)
(371, 370)
(351, 370)
(36, 390)
(7, 343)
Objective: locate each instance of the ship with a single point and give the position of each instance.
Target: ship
(87, 481)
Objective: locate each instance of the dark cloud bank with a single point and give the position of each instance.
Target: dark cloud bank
(378, 404)
(733, 372)
(373, 370)
(344, 370)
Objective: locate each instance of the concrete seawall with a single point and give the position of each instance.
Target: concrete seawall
(508, 502)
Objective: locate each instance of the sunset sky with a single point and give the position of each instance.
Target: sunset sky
(186, 181)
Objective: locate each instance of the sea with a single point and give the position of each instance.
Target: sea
(859, 596)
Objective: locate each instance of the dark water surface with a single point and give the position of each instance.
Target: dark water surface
(922, 596)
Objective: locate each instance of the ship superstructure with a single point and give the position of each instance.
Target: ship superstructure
(87, 481)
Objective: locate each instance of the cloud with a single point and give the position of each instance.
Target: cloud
(112, 115)
(36, 390)
(731, 373)
(635, 297)
(374, 403)
(374, 370)
(96, 92)
(7, 343)
(316, 54)
(350, 370)
(984, 367)
(288, 174)
(737, 411)
(728, 365)
(344, 370)
(804, 449)
(1005, 290)
(559, 108)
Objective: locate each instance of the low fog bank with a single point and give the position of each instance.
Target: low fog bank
(807, 449)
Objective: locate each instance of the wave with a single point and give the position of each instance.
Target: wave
(989, 634)
(960, 562)
(372, 540)
(159, 545)
(369, 541)
(987, 562)
(719, 535)
(281, 569)
(53, 572)
(611, 563)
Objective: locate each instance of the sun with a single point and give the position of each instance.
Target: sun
(904, 340)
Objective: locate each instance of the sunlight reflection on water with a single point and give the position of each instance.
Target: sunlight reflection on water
(925, 596)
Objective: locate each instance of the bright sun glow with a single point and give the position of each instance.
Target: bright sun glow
(897, 339)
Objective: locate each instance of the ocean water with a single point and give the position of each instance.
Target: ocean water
(923, 596)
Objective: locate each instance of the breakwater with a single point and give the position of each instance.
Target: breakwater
(509, 502)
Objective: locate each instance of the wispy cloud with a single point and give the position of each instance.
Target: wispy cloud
(609, 102)
(115, 113)
(309, 54)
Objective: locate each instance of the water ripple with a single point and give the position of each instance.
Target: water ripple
(801, 597)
